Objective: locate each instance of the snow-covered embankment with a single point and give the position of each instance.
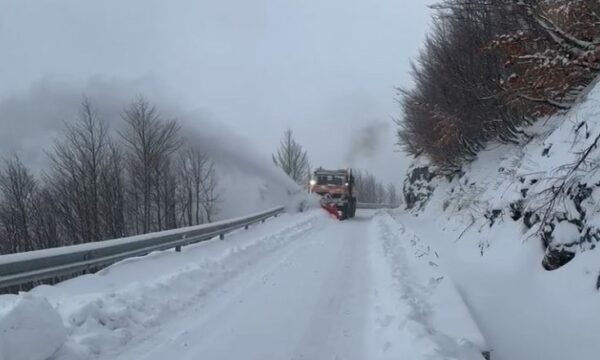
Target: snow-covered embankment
(514, 213)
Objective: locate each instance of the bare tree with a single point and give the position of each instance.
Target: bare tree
(150, 142)
(209, 195)
(392, 194)
(381, 194)
(490, 67)
(292, 159)
(78, 165)
(187, 193)
(164, 195)
(112, 201)
(197, 189)
(368, 188)
(97, 188)
(46, 220)
(17, 198)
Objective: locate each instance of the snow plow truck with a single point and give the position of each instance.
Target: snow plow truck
(336, 188)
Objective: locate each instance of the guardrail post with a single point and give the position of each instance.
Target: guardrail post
(222, 236)
(178, 248)
(246, 227)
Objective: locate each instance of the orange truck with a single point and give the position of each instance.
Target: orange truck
(336, 188)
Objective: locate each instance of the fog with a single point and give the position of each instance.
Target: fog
(237, 72)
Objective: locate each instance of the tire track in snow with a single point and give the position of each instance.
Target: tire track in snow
(404, 324)
(338, 319)
(302, 303)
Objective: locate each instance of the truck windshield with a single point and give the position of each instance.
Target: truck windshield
(330, 180)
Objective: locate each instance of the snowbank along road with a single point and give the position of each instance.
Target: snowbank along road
(301, 286)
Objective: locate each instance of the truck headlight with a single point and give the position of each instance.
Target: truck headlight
(313, 182)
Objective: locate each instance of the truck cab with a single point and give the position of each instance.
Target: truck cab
(336, 188)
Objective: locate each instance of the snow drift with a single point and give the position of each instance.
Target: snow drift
(97, 314)
(30, 328)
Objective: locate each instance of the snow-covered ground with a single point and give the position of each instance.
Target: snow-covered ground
(524, 311)
(300, 286)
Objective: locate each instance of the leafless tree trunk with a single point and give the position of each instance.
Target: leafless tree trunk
(209, 195)
(112, 202)
(381, 194)
(368, 188)
(392, 194)
(198, 186)
(46, 220)
(77, 166)
(17, 195)
(150, 142)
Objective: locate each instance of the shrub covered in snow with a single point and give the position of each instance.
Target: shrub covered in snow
(488, 68)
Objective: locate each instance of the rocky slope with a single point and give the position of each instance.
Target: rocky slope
(518, 228)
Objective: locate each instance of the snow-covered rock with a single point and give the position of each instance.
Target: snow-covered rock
(417, 186)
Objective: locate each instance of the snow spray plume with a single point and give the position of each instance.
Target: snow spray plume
(233, 153)
(366, 142)
(29, 123)
(230, 150)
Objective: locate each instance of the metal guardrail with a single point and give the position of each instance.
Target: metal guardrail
(56, 263)
(40, 265)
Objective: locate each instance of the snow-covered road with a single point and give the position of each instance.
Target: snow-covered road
(301, 286)
(307, 301)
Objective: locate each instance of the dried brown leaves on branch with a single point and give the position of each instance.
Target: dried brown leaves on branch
(553, 55)
(490, 67)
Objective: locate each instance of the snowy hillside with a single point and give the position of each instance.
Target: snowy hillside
(511, 216)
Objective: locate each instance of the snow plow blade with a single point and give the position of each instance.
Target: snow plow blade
(332, 210)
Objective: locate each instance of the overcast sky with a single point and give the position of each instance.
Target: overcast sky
(325, 68)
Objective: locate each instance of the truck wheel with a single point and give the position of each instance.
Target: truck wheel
(352, 206)
(345, 212)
